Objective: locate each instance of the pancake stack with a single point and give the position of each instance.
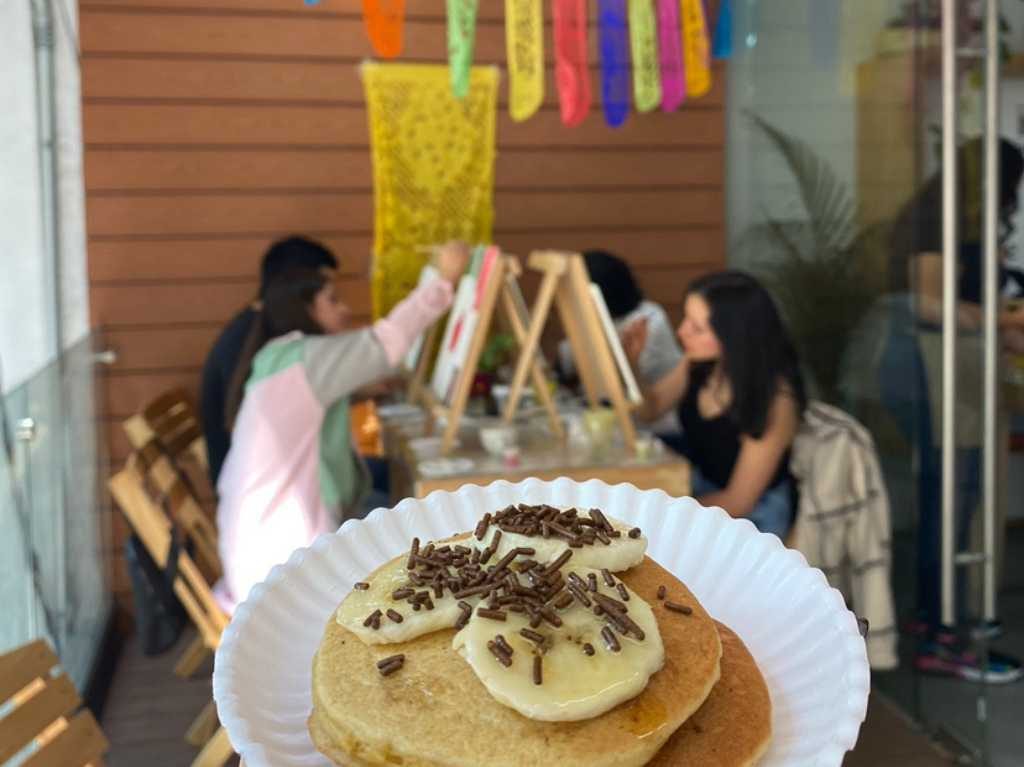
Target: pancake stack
(531, 654)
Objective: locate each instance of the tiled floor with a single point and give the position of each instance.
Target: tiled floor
(942, 700)
(149, 710)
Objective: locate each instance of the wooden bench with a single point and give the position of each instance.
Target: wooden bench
(42, 714)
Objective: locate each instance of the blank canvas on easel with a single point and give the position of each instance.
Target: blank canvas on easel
(611, 333)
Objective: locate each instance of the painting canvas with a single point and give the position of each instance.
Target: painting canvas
(462, 322)
(615, 344)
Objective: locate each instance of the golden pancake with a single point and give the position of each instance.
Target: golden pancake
(434, 712)
(734, 726)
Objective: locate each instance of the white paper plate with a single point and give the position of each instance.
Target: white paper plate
(804, 639)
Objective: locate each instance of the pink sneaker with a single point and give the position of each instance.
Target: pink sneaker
(944, 658)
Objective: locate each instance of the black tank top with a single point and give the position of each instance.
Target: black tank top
(713, 444)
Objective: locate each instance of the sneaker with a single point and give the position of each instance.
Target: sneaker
(944, 658)
(987, 629)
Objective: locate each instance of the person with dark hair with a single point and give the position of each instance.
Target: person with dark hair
(626, 304)
(292, 471)
(219, 369)
(739, 395)
(910, 380)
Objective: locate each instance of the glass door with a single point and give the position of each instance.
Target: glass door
(843, 120)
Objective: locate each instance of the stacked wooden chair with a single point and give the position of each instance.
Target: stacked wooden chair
(154, 498)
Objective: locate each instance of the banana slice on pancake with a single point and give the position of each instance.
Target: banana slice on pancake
(573, 664)
(438, 585)
(403, 609)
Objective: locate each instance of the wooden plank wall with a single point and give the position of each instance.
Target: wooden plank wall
(213, 126)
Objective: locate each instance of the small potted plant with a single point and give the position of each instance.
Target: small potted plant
(496, 354)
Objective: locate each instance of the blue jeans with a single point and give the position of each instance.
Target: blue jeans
(773, 512)
(903, 386)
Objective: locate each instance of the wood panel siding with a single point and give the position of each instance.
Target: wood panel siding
(212, 127)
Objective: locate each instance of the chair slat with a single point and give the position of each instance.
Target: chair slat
(81, 743)
(138, 431)
(23, 724)
(21, 666)
(171, 421)
(170, 401)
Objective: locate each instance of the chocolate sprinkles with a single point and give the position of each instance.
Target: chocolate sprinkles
(463, 619)
(503, 658)
(504, 646)
(610, 640)
(533, 636)
(388, 666)
(517, 583)
(678, 608)
(414, 550)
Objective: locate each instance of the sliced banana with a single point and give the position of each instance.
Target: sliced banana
(619, 555)
(358, 606)
(574, 685)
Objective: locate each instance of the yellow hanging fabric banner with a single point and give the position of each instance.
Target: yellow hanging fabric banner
(433, 167)
(696, 49)
(524, 43)
(643, 38)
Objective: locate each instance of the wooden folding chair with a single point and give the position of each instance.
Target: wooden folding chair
(166, 483)
(153, 527)
(172, 420)
(166, 487)
(41, 706)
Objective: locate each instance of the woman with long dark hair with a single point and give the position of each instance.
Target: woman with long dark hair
(739, 395)
(292, 472)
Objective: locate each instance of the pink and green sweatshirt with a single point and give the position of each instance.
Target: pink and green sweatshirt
(292, 471)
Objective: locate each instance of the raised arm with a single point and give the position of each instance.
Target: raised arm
(339, 365)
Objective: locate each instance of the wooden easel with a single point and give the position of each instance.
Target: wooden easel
(566, 283)
(501, 293)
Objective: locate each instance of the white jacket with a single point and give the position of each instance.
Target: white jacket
(842, 524)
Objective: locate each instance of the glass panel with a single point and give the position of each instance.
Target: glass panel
(834, 112)
(87, 541)
(53, 516)
(19, 597)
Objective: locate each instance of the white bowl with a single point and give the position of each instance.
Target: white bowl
(497, 439)
(805, 641)
(426, 448)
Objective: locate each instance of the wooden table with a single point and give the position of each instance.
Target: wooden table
(541, 456)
